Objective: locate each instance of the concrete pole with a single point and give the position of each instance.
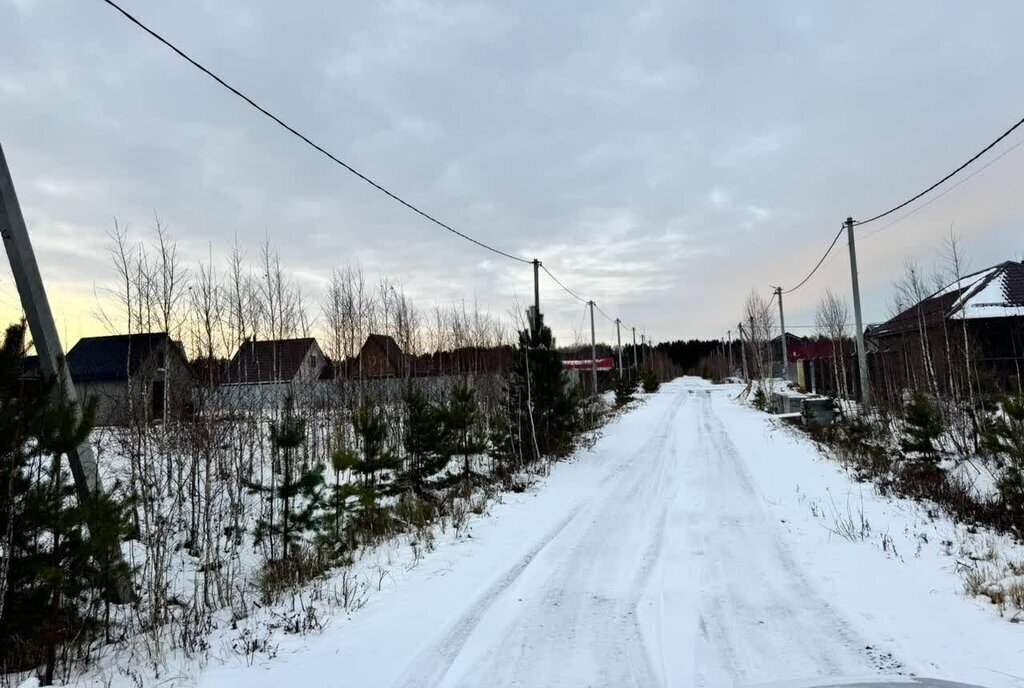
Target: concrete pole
(618, 338)
(756, 363)
(743, 353)
(40, 320)
(729, 340)
(635, 366)
(782, 325)
(536, 299)
(593, 349)
(862, 355)
(32, 293)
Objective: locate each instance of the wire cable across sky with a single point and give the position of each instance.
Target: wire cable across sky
(305, 139)
(320, 149)
(949, 176)
(820, 261)
(916, 197)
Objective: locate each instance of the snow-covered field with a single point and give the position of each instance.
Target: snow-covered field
(698, 542)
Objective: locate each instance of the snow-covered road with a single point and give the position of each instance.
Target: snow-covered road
(663, 556)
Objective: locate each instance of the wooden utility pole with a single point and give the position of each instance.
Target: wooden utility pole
(40, 321)
(862, 355)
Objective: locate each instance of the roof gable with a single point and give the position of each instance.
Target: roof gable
(112, 358)
(996, 291)
(387, 344)
(275, 360)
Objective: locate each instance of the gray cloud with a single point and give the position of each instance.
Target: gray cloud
(663, 158)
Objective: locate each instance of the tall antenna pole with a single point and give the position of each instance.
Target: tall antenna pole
(593, 348)
(40, 321)
(862, 357)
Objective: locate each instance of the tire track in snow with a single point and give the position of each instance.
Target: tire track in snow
(559, 602)
(435, 662)
(782, 615)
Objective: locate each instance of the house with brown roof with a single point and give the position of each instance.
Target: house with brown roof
(982, 313)
(380, 356)
(276, 362)
(262, 374)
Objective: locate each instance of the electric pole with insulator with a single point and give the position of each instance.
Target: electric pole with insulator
(618, 338)
(782, 326)
(593, 348)
(862, 356)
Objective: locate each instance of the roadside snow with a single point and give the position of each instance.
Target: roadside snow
(698, 542)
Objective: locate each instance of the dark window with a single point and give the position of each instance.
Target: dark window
(158, 400)
(160, 361)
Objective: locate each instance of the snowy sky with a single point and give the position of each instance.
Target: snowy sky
(661, 157)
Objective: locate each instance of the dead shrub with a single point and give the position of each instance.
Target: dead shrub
(280, 575)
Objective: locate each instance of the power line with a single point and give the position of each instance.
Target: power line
(952, 188)
(820, 261)
(305, 139)
(946, 178)
(567, 290)
(607, 317)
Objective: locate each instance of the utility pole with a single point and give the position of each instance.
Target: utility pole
(743, 353)
(862, 355)
(40, 321)
(535, 325)
(643, 351)
(635, 367)
(41, 325)
(782, 324)
(618, 338)
(593, 348)
(728, 336)
(755, 363)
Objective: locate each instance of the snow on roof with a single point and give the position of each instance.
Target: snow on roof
(996, 296)
(995, 292)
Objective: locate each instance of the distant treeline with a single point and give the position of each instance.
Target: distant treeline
(688, 354)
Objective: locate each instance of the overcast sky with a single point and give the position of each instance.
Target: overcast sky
(663, 158)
